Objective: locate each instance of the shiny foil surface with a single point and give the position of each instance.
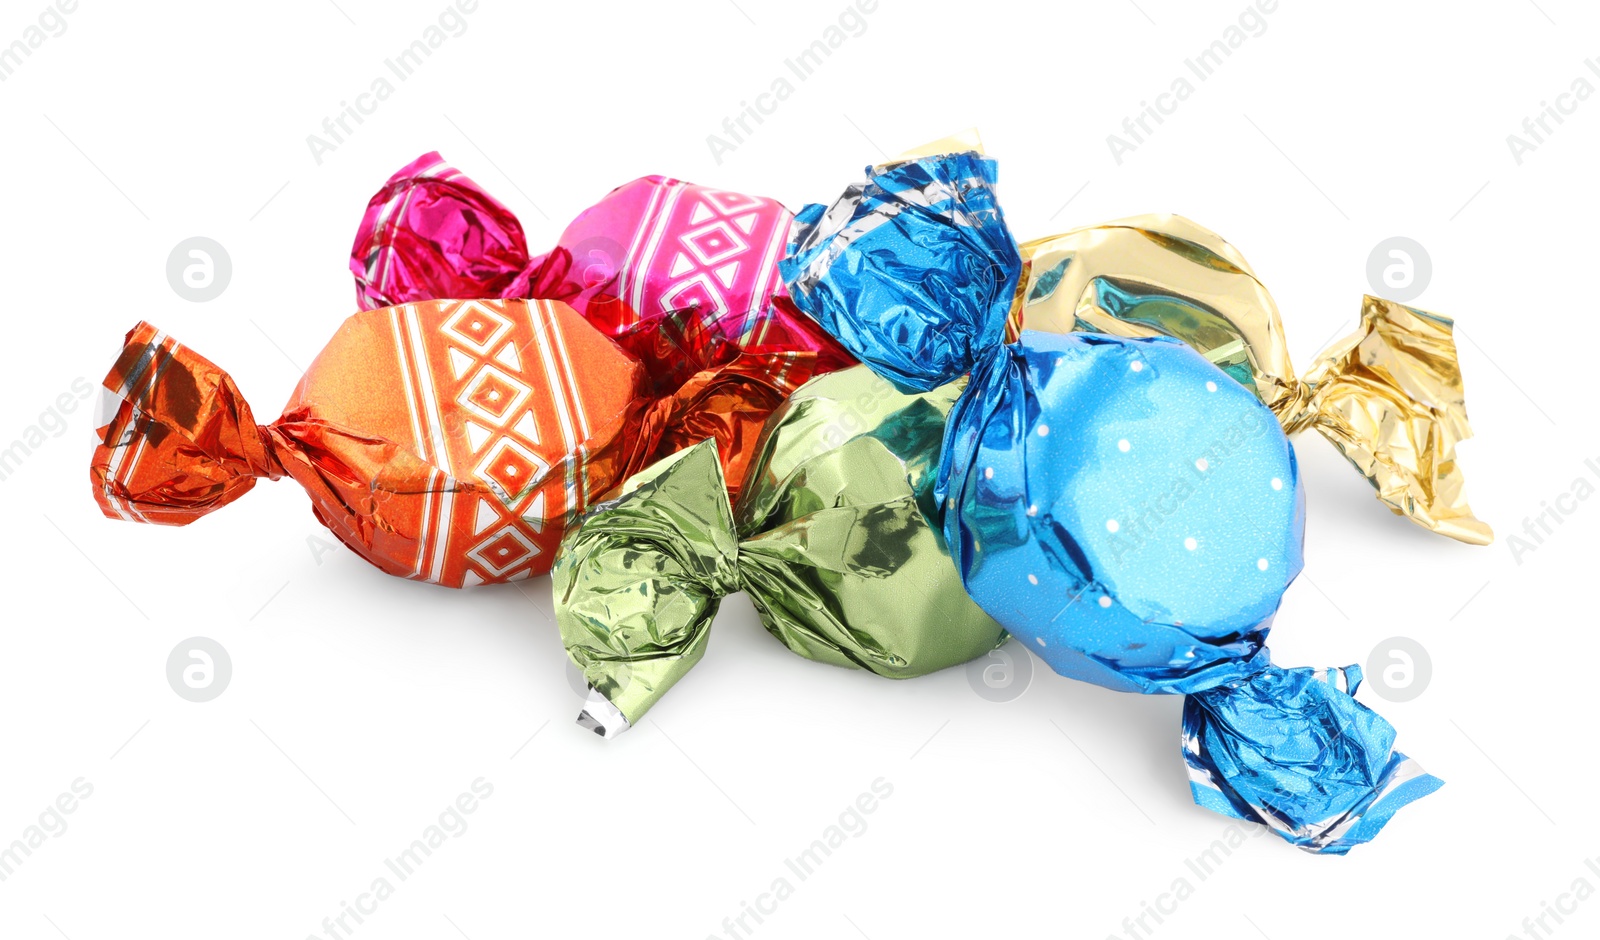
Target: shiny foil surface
(1125, 507)
(653, 247)
(448, 441)
(1389, 396)
(1145, 509)
(1138, 516)
(918, 238)
(829, 537)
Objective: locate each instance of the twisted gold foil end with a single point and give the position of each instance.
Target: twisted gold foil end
(1390, 398)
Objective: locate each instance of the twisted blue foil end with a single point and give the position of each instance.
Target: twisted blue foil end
(1293, 750)
(913, 270)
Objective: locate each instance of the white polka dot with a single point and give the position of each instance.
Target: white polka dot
(951, 502)
(1202, 465)
(1033, 579)
(1039, 640)
(1277, 484)
(1033, 510)
(1044, 430)
(1190, 543)
(1136, 366)
(1111, 525)
(1124, 446)
(1211, 386)
(1261, 564)
(988, 473)
(1105, 602)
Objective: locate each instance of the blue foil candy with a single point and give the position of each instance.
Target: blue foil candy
(1122, 506)
(883, 268)
(1134, 508)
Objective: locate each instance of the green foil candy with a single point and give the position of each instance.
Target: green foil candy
(830, 539)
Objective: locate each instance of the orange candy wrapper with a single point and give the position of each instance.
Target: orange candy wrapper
(445, 441)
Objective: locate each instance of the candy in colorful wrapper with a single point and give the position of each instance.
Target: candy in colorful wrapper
(829, 537)
(1121, 505)
(651, 247)
(449, 441)
(1389, 396)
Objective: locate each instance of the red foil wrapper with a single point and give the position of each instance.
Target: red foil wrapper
(448, 441)
(652, 247)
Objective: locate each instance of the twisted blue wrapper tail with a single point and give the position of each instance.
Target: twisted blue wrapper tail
(913, 270)
(1293, 750)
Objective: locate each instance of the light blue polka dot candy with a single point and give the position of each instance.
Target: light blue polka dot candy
(1136, 516)
(1133, 510)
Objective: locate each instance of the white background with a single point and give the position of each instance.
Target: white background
(361, 705)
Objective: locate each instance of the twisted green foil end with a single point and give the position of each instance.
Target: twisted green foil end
(639, 581)
(832, 542)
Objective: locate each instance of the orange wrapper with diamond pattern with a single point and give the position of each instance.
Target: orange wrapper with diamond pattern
(447, 441)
